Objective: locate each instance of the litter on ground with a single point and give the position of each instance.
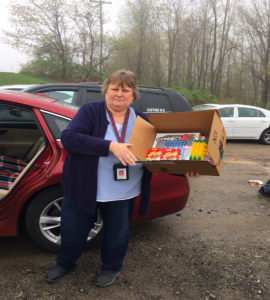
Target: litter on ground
(255, 182)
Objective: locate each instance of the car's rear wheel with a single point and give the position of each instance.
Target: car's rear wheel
(43, 220)
(265, 137)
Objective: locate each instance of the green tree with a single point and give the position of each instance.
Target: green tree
(41, 28)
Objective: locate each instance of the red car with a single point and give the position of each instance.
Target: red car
(31, 163)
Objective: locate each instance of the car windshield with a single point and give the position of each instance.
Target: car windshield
(204, 107)
(67, 104)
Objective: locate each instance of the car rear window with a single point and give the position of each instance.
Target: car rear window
(94, 96)
(244, 112)
(63, 95)
(261, 115)
(155, 103)
(55, 123)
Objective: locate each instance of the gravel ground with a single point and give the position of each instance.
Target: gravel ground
(216, 248)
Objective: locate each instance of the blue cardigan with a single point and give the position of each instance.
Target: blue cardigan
(83, 139)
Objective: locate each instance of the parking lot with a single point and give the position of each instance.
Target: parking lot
(216, 248)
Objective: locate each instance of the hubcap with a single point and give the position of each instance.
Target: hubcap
(50, 222)
(267, 137)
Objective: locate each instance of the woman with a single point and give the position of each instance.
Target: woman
(96, 140)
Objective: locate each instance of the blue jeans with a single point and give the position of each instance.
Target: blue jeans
(76, 225)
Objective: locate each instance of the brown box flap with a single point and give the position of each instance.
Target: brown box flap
(142, 137)
(194, 121)
(217, 140)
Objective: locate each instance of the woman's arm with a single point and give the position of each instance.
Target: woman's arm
(77, 139)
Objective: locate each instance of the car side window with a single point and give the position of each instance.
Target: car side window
(15, 115)
(226, 112)
(155, 103)
(67, 96)
(56, 124)
(244, 112)
(261, 115)
(94, 96)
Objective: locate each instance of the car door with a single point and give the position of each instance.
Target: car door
(248, 123)
(227, 115)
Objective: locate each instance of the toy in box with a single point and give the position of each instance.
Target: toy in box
(154, 154)
(171, 154)
(182, 141)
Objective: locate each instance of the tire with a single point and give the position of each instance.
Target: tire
(265, 137)
(43, 220)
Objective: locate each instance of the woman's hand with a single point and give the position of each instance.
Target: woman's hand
(122, 152)
(190, 174)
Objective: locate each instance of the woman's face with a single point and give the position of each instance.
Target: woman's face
(119, 98)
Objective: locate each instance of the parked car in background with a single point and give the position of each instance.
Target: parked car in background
(31, 163)
(243, 121)
(16, 87)
(153, 100)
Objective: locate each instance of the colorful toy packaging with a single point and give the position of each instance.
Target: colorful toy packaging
(179, 146)
(182, 141)
(170, 154)
(199, 151)
(154, 154)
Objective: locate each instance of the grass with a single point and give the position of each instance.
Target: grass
(7, 78)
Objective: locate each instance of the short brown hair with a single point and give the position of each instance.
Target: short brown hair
(123, 77)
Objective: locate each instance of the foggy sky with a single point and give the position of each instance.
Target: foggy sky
(10, 59)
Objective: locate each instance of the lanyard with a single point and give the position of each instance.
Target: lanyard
(123, 135)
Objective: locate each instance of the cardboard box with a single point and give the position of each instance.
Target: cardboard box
(206, 122)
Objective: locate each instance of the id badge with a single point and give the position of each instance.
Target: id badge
(120, 172)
